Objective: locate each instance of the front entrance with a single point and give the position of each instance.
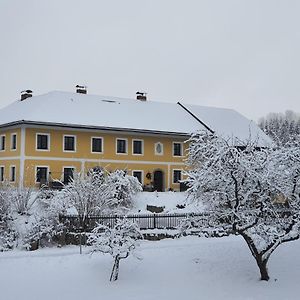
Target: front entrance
(158, 181)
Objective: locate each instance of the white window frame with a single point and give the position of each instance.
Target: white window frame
(162, 148)
(173, 177)
(137, 140)
(10, 173)
(63, 171)
(102, 143)
(126, 140)
(2, 174)
(11, 141)
(75, 143)
(2, 135)
(36, 141)
(181, 149)
(142, 177)
(47, 174)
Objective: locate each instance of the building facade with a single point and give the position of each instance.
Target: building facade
(50, 137)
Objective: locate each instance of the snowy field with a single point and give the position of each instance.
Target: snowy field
(186, 268)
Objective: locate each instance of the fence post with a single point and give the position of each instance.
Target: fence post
(154, 221)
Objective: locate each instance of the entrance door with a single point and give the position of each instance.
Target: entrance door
(158, 181)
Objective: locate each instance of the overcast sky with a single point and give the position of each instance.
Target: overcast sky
(227, 53)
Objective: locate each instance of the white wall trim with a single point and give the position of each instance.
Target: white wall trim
(104, 160)
(22, 156)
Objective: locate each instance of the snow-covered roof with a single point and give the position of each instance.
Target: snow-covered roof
(103, 112)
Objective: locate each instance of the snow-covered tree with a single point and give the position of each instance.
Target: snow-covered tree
(119, 241)
(247, 191)
(282, 128)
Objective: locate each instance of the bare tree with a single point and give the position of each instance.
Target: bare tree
(119, 241)
(247, 191)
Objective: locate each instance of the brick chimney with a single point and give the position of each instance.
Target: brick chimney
(141, 96)
(81, 89)
(26, 94)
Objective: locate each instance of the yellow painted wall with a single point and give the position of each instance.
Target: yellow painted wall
(6, 164)
(83, 146)
(83, 159)
(8, 152)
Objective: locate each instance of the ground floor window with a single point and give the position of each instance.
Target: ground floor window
(176, 176)
(1, 173)
(41, 174)
(138, 175)
(12, 176)
(68, 175)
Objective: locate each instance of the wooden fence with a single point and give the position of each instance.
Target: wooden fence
(145, 221)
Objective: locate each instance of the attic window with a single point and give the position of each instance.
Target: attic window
(109, 101)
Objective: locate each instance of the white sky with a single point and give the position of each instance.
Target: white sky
(227, 53)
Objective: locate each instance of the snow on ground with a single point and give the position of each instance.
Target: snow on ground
(167, 199)
(187, 268)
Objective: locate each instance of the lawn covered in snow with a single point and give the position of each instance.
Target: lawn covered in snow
(185, 268)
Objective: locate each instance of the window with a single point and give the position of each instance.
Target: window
(138, 175)
(137, 146)
(1, 173)
(176, 176)
(159, 148)
(177, 149)
(41, 174)
(121, 146)
(97, 145)
(68, 174)
(69, 143)
(13, 141)
(12, 176)
(42, 141)
(2, 142)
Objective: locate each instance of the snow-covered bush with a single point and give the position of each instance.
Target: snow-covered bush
(23, 200)
(43, 225)
(99, 193)
(85, 194)
(119, 188)
(240, 187)
(7, 233)
(119, 241)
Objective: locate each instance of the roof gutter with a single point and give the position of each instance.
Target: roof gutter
(64, 125)
(195, 117)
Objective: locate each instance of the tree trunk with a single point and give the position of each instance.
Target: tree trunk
(262, 265)
(115, 270)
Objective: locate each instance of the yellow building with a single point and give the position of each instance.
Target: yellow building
(51, 136)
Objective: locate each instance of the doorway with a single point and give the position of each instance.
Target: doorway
(158, 181)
